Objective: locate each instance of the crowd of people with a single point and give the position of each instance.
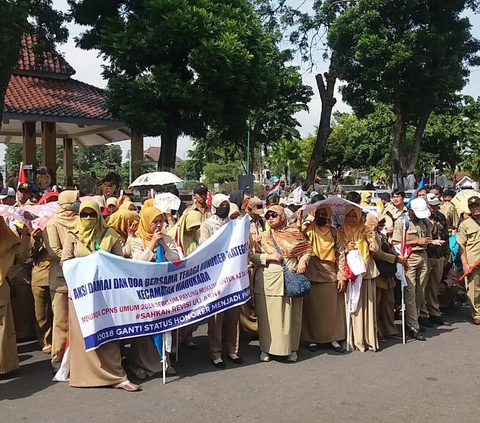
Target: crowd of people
(440, 245)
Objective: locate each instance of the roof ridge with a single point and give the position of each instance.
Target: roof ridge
(51, 62)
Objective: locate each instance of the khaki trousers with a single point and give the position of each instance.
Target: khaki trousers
(43, 314)
(8, 341)
(417, 274)
(224, 325)
(431, 305)
(60, 326)
(473, 292)
(386, 311)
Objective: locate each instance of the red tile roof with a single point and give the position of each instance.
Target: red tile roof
(153, 153)
(51, 62)
(67, 98)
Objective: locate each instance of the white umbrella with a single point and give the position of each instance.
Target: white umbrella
(156, 178)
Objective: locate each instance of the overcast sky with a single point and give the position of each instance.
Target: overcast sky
(88, 69)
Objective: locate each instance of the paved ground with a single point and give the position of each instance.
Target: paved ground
(433, 381)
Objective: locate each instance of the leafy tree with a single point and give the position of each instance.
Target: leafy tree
(181, 67)
(37, 17)
(221, 172)
(287, 154)
(413, 54)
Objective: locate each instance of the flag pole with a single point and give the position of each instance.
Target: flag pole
(178, 345)
(349, 299)
(403, 314)
(164, 359)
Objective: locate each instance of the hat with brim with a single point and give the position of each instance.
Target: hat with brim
(474, 201)
(419, 207)
(25, 187)
(7, 192)
(432, 199)
(256, 205)
(199, 188)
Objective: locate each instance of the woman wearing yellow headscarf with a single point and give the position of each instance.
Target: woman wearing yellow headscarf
(366, 198)
(324, 307)
(355, 235)
(103, 366)
(9, 244)
(125, 223)
(150, 244)
(185, 232)
(149, 237)
(147, 203)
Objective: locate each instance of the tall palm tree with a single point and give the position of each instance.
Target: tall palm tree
(287, 154)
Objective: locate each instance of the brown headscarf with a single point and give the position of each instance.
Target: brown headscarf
(291, 241)
(66, 217)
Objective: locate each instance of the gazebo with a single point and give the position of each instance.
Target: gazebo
(45, 106)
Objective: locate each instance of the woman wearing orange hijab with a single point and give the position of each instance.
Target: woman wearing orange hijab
(355, 235)
(324, 307)
(279, 316)
(143, 358)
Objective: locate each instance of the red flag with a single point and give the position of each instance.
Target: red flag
(209, 198)
(21, 175)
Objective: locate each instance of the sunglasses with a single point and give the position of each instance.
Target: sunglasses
(259, 207)
(88, 214)
(271, 215)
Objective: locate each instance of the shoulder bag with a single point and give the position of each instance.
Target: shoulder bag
(296, 284)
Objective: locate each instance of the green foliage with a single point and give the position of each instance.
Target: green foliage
(414, 50)
(221, 172)
(182, 67)
(288, 155)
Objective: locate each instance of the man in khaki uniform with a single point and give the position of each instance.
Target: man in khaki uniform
(394, 209)
(200, 195)
(438, 256)
(469, 240)
(419, 234)
(41, 291)
(450, 211)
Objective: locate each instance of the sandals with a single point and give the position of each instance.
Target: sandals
(128, 386)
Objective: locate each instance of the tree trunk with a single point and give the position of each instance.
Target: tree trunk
(398, 145)
(326, 88)
(405, 158)
(168, 150)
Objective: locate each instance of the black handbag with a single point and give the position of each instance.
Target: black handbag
(296, 284)
(386, 269)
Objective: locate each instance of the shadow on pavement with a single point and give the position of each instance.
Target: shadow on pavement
(26, 381)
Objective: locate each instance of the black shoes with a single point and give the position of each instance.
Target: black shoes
(415, 334)
(220, 365)
(236, 360)
(437, 320)
(425, 322)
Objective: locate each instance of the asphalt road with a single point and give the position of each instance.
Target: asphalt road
(433, 381)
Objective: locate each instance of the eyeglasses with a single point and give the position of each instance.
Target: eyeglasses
(157, 223)
(271, 215)
(88, 214)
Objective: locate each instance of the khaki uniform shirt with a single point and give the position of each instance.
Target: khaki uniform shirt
(450, 213)
(422, 229)
(392, 214)
(469, 237)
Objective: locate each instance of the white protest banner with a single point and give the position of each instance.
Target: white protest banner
(338, 206)
(117, 298)
(166, 201)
